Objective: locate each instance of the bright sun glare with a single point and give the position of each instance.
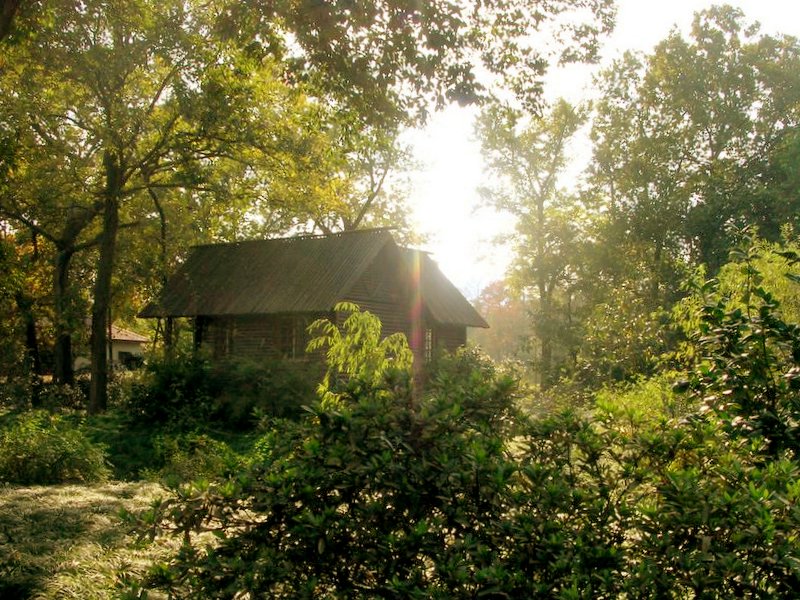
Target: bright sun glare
(444, 196)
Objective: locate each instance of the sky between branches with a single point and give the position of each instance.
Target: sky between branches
(444, 195)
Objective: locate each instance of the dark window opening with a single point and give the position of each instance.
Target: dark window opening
(292, 337)
(224, 335)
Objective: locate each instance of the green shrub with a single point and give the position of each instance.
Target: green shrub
(188, 391)
(716, 519)
(470, 382)
(192, 456)
(176, 389)
(457, 495)
(41, 448)
(244, 391)
(129, 443)
(358, 359)
(647, 400)
(360, 496)
(16, 392)
(56, 397)
(747, 356)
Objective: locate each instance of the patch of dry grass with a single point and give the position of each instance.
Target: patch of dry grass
(68, 541)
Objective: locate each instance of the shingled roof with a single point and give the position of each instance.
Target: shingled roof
(294, 275)
(443, 300)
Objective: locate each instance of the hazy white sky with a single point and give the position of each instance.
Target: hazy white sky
(444, 196)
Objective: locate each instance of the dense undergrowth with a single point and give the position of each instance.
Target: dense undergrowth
(682, 485)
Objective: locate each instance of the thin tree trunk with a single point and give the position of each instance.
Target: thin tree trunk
(169, 328)
(8, 11)
(546, 339)
(63, 372)
(545, 305)
(169, 336)
(32, 356)
(98, 389)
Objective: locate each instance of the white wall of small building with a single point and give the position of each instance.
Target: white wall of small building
(117, 346)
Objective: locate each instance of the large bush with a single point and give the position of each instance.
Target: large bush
(40, 448)
(193, 456)
(746, 349)
(357, 499)
(190, 389)
(456, 494)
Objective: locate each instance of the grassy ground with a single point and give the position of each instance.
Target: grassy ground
(68, 541)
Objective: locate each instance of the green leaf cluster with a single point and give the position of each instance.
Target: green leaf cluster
(39, 448)
(358, 359)
(748, 355)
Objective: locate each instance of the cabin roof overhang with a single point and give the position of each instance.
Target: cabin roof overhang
(305, 274)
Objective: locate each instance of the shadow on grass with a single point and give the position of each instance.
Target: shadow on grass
(68, 540)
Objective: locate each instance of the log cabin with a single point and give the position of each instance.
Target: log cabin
(255, 299)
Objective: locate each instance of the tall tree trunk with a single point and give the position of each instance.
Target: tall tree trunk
(8, 10)
(545, 304)
(98, 389)
(32, 356)
(169, 324)
(545, 338)
(63, 372)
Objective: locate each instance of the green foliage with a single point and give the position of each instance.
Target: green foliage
(483, 391)
(460, 495)
(220, 120)
(744, 347)
(645, 401)
(176, 390)
(246, 391)
(358, 360)
(13, 269)
(130, 443)
(63, 397)
(192, 456)
(189, 390)
(40, 448)
(749, 370)
(771, 265)
(527, 158)
(718, 520)
(15, 393)
(694, 138)
(623, 339)
(380, 498)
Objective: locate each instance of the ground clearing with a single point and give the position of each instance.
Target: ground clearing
(68, 541)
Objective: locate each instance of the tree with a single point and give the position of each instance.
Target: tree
(394, 58)
(683, 139)
(45, 188)
(136, 106)
(372, 166)
(21, 299)
(509, 323)
(527, 161)
(158, 95)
